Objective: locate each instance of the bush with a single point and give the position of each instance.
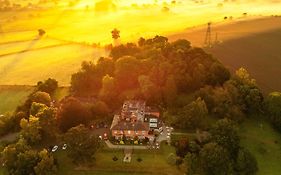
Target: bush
(114, 158)
(172, 159)
(139, 159)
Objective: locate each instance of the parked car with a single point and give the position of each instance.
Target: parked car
(55, 148)
(64, 146)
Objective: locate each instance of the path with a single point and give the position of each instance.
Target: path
(110, 145)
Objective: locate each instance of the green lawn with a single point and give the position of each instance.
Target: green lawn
(153, 162)
(265, 143)
(12, 96)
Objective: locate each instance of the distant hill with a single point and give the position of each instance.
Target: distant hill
(253, 44)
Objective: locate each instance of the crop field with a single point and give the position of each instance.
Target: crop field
(59, 62)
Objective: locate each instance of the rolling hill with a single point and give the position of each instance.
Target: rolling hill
(253, 44)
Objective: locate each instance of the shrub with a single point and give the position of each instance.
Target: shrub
(172, 159)
(139, 159)
(115, 158)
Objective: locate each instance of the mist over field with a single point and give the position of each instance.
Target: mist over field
(91, 21)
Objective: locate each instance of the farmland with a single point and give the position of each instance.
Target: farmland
(252, 44)
(43, 59)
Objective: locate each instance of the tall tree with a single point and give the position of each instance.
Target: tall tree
(225, 133)
(273, 107)
(215, 160)
(82, 145)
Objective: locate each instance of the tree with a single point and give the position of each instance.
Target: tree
(215, 160)
(20, 159)
(150, 91)
(225, 133)
(47, 119)
(115, 34)
(193, 115)
(82, 145)
(192, 163)
(88, 80)
(273, 107)
(46, 164)
(108, 90)
(41, 97)
(72, 113)
(127, 70)
(219, 74)
(31, 130)
(170, 90)
(246, 163)
(250, 95)
(26, 161)
(49, 86)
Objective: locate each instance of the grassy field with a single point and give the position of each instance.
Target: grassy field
(153, 162)
(265, 143)
(12, 96)
(59, 62)
(15, 47)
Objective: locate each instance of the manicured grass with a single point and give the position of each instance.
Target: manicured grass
(59, 62)
(153, 162)
(12, 96)
(265, 143)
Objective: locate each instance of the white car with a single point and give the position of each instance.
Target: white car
(157, 147)
(64, 146)
(55, 148)
(168, 133)
(168, 137)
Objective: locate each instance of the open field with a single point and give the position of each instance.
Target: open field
(253, 44)
(59, 62)
(12, 96)
(265, 143)
(16, 47)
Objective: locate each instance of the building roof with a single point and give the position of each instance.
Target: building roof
(137, 126)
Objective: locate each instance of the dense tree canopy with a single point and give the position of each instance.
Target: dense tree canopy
(72, 113)
(215, 160)
(82, 145)
(225, 133)
(273, 107)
